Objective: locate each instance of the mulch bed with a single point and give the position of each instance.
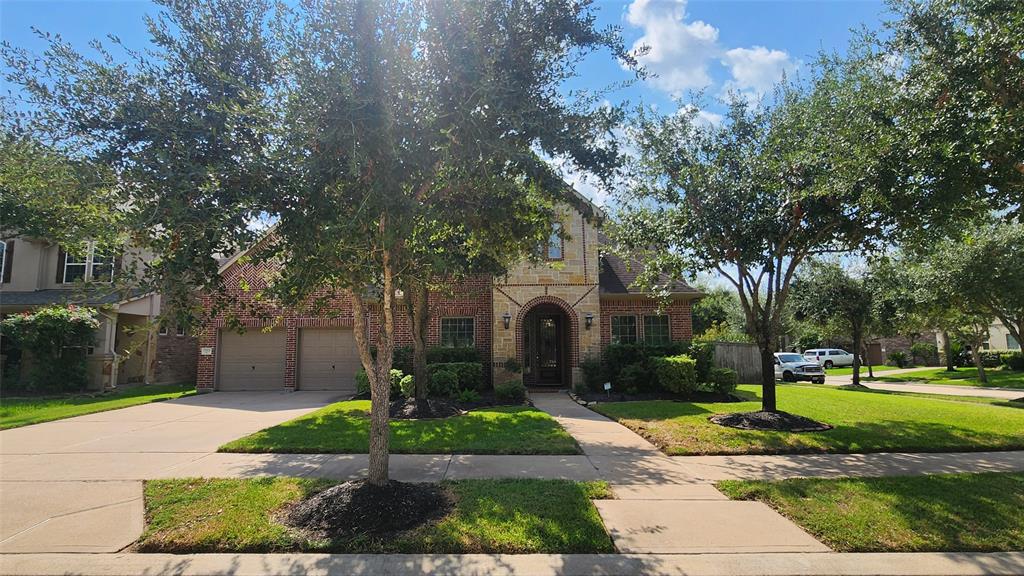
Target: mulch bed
(769, 421)
(411, 409)
(699, 396)
(358, 508)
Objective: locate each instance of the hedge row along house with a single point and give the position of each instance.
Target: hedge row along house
(127, 348)
(548, 317)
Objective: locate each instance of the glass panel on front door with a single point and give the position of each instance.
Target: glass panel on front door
(549, 336)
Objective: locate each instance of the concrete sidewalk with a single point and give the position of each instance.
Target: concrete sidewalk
(661, 507)
(821, 564)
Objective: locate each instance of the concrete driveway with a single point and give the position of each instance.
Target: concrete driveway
(74, 485)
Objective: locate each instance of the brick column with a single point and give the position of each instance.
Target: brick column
(206, 365)
(290, 353)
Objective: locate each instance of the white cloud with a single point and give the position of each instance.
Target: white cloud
(680, 53)
(677, 51)
(756, 69)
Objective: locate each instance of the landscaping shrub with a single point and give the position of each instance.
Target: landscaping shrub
(407, 385)
(510, 391)
(995, 358)
(58, 338)
(593, 373)
(638, 377)
(723, 380)
(468, 375)
(676, 373)
(924, 354)
(443, 355)
(513, 365)
(363, 382)
(1013, 361)
(704, 354)
(468, 396)
(443, 384)
(616, 357)
(897, 358)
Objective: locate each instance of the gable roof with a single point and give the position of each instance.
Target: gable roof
(616, 277)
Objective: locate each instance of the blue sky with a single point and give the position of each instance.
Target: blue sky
(714, 45)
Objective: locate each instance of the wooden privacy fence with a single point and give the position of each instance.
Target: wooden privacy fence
(742, 357)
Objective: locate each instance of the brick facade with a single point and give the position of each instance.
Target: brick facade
(680, 314)
(176, 358)
(570, 285)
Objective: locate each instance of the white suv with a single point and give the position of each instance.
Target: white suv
(792, 367)
(829, 357)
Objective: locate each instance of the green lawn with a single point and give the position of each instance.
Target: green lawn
(15, 412)
(863, 423)
(343, 428)
(848, 370)
(490, 516)
(947, 397)
(962, 377)
(942, 513)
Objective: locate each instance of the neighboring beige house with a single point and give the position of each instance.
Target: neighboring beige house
(37, 273)
(999, 338)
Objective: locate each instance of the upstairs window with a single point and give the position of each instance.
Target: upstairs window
(623, 330)
(457, 332)
(656, 330)
(6, 260)
(554, 251)
(91, 266)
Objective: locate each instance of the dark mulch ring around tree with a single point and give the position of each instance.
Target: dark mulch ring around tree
(769, 421)
(699, 396)
(358, 508)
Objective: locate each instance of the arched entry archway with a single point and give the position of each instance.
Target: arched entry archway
(547, 342)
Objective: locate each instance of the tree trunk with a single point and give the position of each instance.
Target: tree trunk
(857, 345)
(768, 403)
(978, 362)
(378, 370)
(947, 349)
(419, 296)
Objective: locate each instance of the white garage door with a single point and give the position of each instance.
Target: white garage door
(327, 359)
(251, 361)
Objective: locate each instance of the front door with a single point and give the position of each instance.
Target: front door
(549, 349)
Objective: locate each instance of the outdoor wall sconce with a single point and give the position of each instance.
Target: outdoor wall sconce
(507, 318)
(589, 319)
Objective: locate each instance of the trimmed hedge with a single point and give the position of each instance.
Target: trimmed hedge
(468, 375)
(510, 391)
(443, 384)
(363, 382)
(616, 357)
(722, 380)
(676, 373)
(402, 358)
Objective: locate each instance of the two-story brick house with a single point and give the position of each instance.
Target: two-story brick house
(37, 272)
(547, 316)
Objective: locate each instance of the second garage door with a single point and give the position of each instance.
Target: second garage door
(327, 359)
(251, 361)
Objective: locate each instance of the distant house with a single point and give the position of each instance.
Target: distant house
(37, 273)
(999, 338)
(547, 317)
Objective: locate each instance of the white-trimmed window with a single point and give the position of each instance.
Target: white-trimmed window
(457, 332)
(162, 331)
(91, 266)
(180, 331)
(1011, 343)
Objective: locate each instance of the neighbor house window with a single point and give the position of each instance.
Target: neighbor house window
(6, 260)
(181, 330)
(92, 265)
(162, 331)
(656, 330)
(555, 242)
(624, 330)
(457, 332)
(1011, 343)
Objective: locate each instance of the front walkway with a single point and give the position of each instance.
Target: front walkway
(662, 508)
